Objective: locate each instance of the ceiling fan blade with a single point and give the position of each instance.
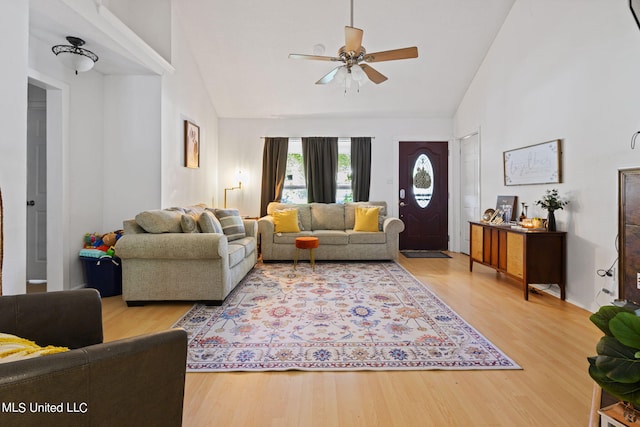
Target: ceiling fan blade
(353, 39)
(374, 75)
(315, 57)
(328, 77)
(392, 55)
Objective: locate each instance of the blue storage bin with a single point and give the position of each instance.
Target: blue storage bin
(103, 274)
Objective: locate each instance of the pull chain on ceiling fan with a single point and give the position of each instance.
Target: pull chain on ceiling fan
(355, 58)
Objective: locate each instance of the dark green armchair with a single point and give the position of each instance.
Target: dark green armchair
(135, 381)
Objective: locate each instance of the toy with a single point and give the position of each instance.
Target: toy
(103, 243)
(109, 239)
(91, 240)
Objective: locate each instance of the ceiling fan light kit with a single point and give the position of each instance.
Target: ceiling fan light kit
(355, 59)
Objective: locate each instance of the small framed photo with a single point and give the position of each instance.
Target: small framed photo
(506, 205)
(191, 145)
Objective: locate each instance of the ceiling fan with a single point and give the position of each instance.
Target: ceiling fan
(355, 58)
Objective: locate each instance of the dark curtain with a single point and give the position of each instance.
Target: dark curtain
(360, 168)
(320, 168)
(274, 167)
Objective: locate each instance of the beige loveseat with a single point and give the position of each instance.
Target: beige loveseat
(333, 224)
(185, 254)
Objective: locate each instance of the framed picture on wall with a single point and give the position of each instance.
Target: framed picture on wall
(191, 145)
(535, 164)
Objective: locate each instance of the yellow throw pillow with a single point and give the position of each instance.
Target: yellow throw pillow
(286, 221)
(15, 348)
(366, 219)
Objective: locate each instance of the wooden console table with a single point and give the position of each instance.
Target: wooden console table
(529, 256)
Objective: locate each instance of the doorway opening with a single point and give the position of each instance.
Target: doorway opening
(469, 186)
(36, 196)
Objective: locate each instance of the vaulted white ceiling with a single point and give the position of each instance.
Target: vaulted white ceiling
(242, 47)
(242, 50)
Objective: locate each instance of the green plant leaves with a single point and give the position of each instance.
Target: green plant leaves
(616, 368)
(626, 328)
(617, 361)
(604, 315)
(622, 391)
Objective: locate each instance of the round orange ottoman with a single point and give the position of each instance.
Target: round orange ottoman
(306, 243)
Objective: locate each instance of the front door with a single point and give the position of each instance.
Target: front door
(424, 195)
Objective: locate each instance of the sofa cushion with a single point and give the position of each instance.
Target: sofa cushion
(365, 237)
(236, 254)
(331, 237)
(15, 348)
(286, 221)
(290, 238)
(304, 212)
(195, 209)
(248, 243)
(231, 221)
(189, 224)
(366, 219)
(160, 221)
(327, 216)
(209, 223)
(350, 213)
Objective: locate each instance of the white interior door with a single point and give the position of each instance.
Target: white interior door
(469, 186)
(36, 185)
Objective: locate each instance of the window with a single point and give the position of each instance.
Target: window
(344, 193)
(295, 189)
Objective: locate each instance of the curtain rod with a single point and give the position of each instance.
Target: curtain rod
(300, 137)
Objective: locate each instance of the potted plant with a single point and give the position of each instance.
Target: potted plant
(616, 368)
(551, 202)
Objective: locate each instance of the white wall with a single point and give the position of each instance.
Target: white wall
(149, 19)
(563, 69)
(14, 24)
(184, 98)
(132, 146)
(144, 136)
(241, 148)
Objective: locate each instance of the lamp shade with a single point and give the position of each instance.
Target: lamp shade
(340, 76)
(357, 73)
(75, 61)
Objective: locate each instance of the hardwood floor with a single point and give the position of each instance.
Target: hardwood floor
(550, 339)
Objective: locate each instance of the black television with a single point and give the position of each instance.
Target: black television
(634, 5)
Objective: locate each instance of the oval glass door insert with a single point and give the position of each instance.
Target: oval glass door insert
(422, 180)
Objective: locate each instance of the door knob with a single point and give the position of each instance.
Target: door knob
(31, 202)
(403, 204)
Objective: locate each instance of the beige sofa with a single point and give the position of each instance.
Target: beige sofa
(177, 258)
(333, 224)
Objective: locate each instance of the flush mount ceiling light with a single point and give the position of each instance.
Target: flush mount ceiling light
(74, 56)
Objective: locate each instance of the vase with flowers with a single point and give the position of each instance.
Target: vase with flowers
(551, 202)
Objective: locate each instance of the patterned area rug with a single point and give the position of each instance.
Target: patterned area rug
(340, 317)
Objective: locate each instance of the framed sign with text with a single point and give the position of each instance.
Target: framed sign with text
(535, 164)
